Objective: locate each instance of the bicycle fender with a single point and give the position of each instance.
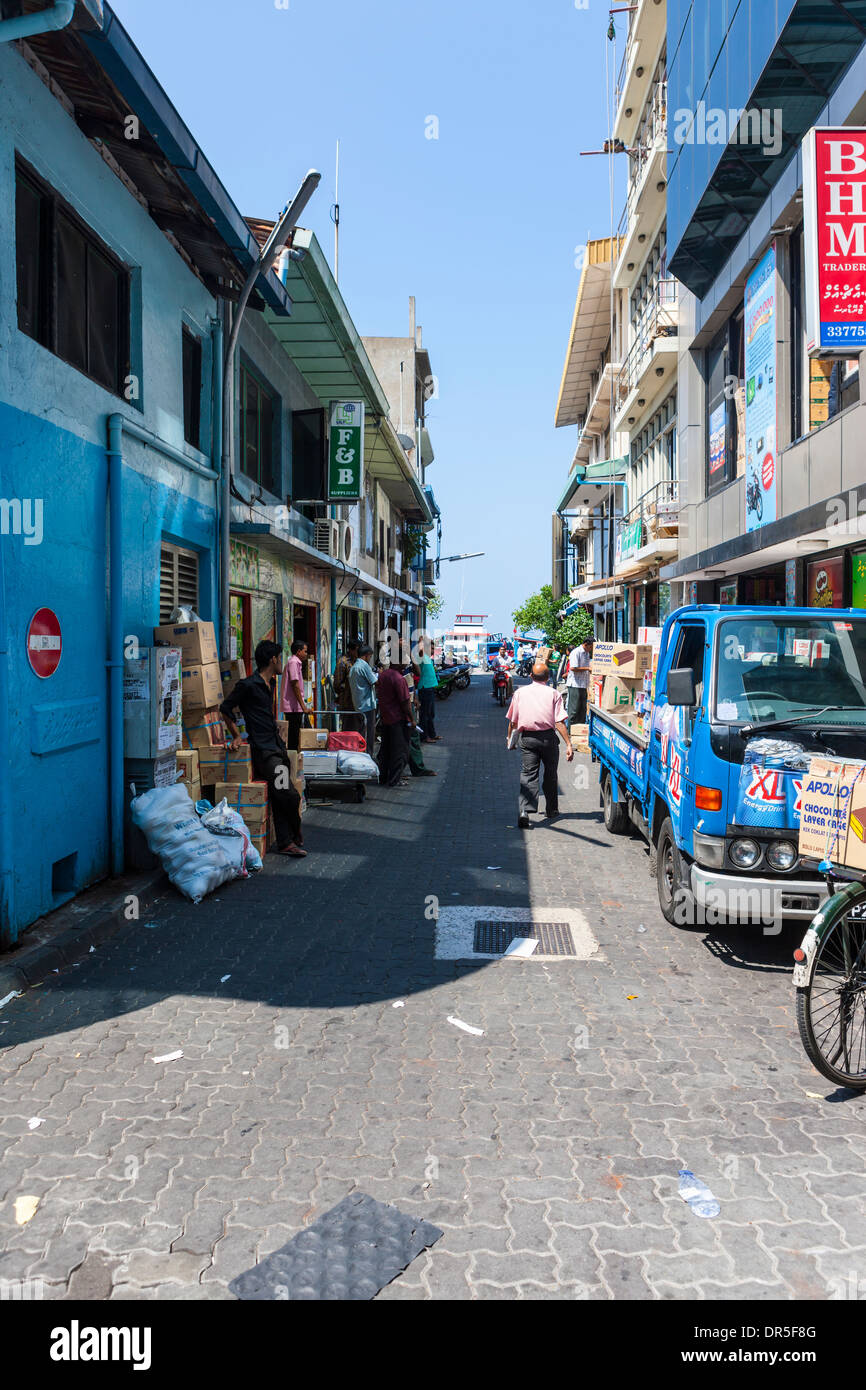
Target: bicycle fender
(825, 918)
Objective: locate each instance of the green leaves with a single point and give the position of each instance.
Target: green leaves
(543, 613)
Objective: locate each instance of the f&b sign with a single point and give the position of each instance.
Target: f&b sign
(346, 451)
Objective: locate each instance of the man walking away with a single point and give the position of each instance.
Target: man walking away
(254, 697)
(292, 703)
(395, 711)
(362, 681)
(427, 697)
(342, 688)
(577, 684)
(537, 712)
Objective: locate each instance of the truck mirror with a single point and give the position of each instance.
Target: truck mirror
(682, 689)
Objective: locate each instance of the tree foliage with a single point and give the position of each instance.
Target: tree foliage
(541, 612)
(435, 603)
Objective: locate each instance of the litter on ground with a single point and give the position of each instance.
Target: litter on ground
(467, 1027)
(169, 1056)
(697, 1194)
(34, 1123)
(25, 1209)
(522, 946)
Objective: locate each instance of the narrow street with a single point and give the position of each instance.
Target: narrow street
(547, 1149)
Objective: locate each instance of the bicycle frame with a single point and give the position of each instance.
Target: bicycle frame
(840, 902)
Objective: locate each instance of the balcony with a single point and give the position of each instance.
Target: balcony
(581, 522)
(646, 36)
(645, 205)
(650, 368)
(647, 534)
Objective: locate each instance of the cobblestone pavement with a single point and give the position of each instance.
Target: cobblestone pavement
(547, 1150)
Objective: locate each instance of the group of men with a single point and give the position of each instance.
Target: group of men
(405, 711)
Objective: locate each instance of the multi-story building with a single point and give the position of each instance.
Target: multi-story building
(585, 521)
(769, 436)
(644, 389)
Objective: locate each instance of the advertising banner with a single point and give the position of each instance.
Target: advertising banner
(760, 369)
(717, 438)
(834, 220)
(825, 583)
(346, 451)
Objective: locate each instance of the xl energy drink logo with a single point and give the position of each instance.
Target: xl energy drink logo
(766, 787)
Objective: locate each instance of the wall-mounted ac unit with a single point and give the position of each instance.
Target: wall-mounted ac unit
(344, 551)
(430, 572)
(327, 537)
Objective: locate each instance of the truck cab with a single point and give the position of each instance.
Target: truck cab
(744, 698)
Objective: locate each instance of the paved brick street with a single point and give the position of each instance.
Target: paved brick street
(547, 1150)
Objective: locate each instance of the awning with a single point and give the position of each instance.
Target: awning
(586, 486)
(590, 331)
(276, 541)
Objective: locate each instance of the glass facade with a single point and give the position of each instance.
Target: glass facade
(778, 60)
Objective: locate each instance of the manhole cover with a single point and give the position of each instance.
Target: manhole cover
(494, 938)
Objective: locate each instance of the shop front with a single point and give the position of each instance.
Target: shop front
(260, 600)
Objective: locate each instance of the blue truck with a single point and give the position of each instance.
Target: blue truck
(744, 698)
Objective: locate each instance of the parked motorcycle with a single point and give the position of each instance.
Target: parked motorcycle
(463, 679)
(447, 681)
(525, 667)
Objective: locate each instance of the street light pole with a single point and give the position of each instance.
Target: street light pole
(274, 244)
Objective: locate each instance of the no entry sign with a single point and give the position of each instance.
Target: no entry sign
(44, 643)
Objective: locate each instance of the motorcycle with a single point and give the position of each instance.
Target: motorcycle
(463, 679)
(501, 681)
(447, 682)
(754, 500)
(525, 667)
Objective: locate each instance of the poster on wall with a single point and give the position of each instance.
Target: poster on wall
(834, 238)
(728, 594)
(825, 583)
(790, 583)
(717, 438)
(760, 369)
(858, 580)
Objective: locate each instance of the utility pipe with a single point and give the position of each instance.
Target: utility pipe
(216, 447)
(8, 931)
(27, 26)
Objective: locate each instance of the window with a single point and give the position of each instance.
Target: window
(724, 375)
(690, 653)
(73, 294)
(178, 580)
(191, 349)
(258, 430)
(309, 462)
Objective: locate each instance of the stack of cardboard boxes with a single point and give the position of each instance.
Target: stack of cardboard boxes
(622, 676)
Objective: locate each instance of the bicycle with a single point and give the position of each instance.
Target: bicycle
(830, 975)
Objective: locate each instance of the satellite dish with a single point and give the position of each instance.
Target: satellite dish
(407, 441)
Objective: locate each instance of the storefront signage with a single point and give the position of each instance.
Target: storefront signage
(858, 580)
(834, 212)
(243, 565)
(760, 368)
(825, 583)
(717, 438)
(790, 583)
(44, 643)
(631, 537)
(728, 594)
(346, 451)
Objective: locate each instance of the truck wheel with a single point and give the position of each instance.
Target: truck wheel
(676, 899)
(615, 813)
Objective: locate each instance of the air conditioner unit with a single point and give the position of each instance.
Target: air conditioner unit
(430, 572)
(327, 537)
(344, 551)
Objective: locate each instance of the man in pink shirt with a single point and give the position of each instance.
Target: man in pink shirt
(538, 714)
(292, 703)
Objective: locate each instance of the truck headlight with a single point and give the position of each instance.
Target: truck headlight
(745, 853)
(782, 855)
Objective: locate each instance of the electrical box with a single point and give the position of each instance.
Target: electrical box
(152, 703)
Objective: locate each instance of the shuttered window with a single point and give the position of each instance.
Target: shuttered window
(178, 580)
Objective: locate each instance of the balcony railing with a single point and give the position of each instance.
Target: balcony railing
(658, 319)
(651, 133)
(655, 516)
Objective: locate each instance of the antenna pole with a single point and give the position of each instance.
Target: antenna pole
(337, 219)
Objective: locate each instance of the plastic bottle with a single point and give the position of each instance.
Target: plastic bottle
(697, 1194)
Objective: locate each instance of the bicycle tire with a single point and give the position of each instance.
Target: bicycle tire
(831, 1008)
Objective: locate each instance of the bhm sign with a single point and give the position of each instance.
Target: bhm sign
(834, 210)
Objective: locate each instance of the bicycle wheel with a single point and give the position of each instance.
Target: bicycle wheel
(831, 1009)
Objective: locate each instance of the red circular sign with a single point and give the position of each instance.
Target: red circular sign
(44, 643)
(768, 470)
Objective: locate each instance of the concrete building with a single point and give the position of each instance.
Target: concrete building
(771, 462)
(644, 387)
(585, 520)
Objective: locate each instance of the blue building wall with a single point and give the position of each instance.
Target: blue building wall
(53, 433)
(716, 52)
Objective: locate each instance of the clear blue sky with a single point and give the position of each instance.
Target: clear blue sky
(480, 225)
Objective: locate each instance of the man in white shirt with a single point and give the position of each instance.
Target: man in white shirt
(577, 684)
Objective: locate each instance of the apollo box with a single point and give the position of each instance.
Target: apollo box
(628, 660)
(833, 815)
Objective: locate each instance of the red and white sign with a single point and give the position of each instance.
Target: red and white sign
(834, 212)
(44, 643)
(768, 472)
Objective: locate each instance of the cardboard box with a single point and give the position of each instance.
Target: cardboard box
(230, 673)
(225, 765)
(249, 799)
(628, 660)
(833, 814)
(200, 686)
(203, 728)
(197, 641)
(617, 694)
(595, 691)
(312, 739)
(188, 772)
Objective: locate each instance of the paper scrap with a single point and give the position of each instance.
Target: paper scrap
(92, 949)
(151, 926)
(522, 946)
(631, 996)
(467, 1027)
(13, 994)
(494, 866)
(398, 1004)
(814, 1095)
(25, 1209)
(169, 1056)
(34, 1123)
(223, 979)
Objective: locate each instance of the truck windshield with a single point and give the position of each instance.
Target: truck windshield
(804, 669)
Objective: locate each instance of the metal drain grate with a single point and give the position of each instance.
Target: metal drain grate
(494, 938)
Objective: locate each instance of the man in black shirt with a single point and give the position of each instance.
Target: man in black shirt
(254, 697)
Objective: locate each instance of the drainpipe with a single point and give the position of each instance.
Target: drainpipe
(8, 932)
(115, 640)
(27, 26)
(218, 386)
